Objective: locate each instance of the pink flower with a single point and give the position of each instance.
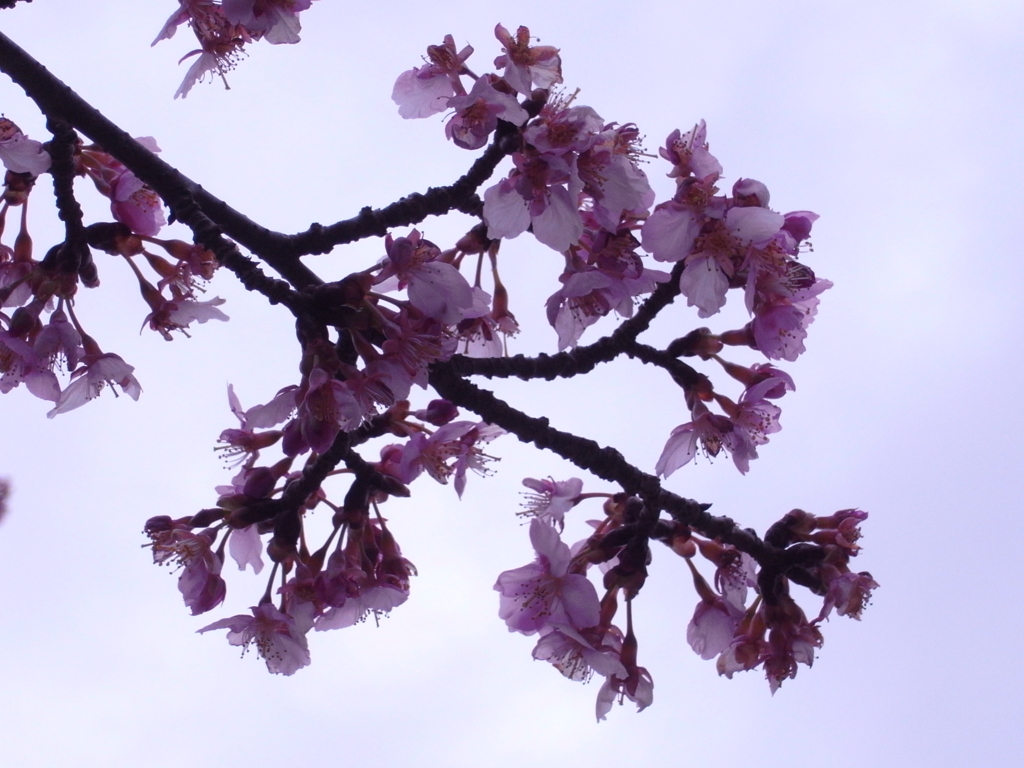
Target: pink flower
(576, 657)
(132, 202)
(484, 330)
(326, 408)
(275, 412)
(735, 571)
(792, 640)
(19, 362)
(764, 380)
(436, 288)
(177, 314)
(246, 548)
(611, 177)
(714, 621)
(177, 18)
(671, 230)
(369, 575)
(709, 429)
(603, 273)
(712, 627)
(527, 66)
(545, 595)
(221, 42)
(719, 251)
(849, 593)
(551, 499)
(451, 450)
(200, 582)
(636, 684)
(136, 205)
(426, 90)
(638, 688)
(413, 343)
(477, 114)
(59, 339)
(243, 445)
(753, 421)
(689, 154)
(748, 647)
(276, 21)
(278, 639)
(98, 370)
(535, 195)
(19, 153)
(779, 328)
(704, 282)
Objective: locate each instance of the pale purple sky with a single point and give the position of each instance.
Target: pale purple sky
(900, 123)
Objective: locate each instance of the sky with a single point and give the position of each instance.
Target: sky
(898, 123)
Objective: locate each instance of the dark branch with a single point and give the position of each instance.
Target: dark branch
(606, 463)
(582, 359)
(73, 255)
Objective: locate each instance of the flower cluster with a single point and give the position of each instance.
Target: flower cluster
(364, 575)
(577, 187)
(735, 242)
(225, 27)
(553, 598)
(359, 570)
(33, 347)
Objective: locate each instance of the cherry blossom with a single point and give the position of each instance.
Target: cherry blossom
(712, 431)
(20, 363)
(19, 153)
(98, 369)
(200, 582)
(792, 640)
(276, 21)
(426, 90)
(545, 594)
(576, 657)
(436, 288)
(714, 622)
(279, 642)
(527, 66)
(245, 547)
(132, 202)
(450, 451)
(780, 328)
(536, 195)
(477, 114)
(326, 408)
(551, 499)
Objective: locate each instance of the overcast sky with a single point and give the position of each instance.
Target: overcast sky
(900, 123)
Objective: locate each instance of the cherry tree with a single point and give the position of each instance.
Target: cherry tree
(391, 357)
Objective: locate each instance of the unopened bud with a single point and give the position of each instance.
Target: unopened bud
(700, 342)
(475, 241)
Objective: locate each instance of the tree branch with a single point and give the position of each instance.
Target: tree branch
(606, 463)
(57, 100)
